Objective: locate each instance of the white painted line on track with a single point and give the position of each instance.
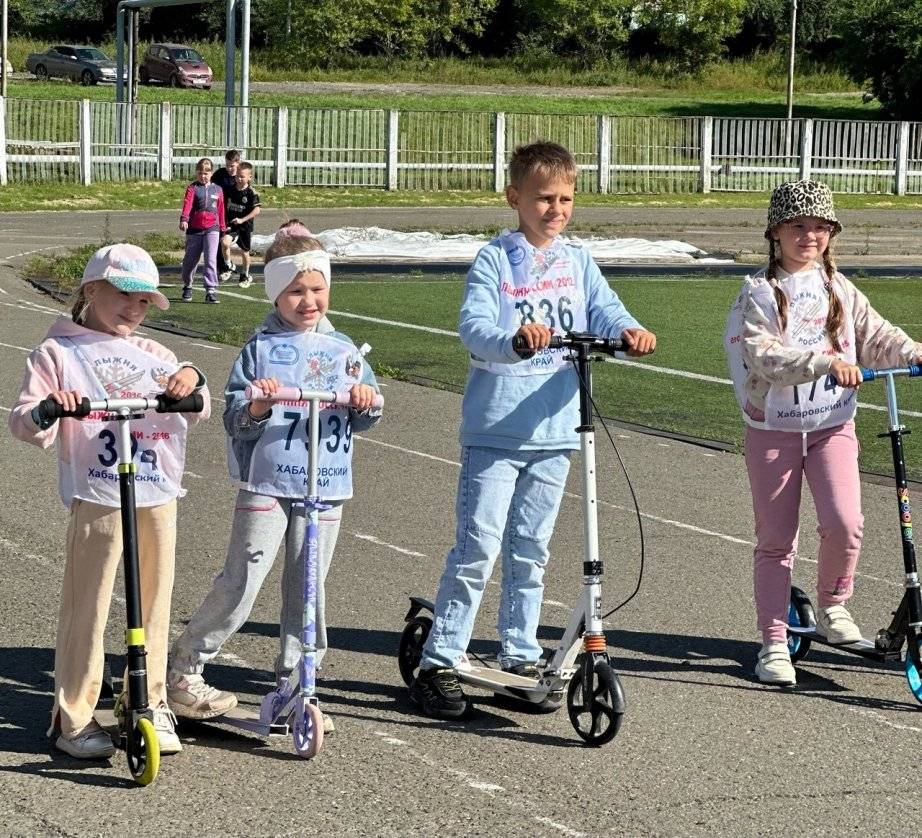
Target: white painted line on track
(203, 345)
(366, 537)
(474, 782)
(13, 346)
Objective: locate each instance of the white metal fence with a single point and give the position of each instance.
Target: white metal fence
(83, 141)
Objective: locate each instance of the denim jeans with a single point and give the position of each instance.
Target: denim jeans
(507, 503)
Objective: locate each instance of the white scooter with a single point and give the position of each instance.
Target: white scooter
(580, 664)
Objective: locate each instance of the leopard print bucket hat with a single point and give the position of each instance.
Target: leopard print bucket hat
(798, 199)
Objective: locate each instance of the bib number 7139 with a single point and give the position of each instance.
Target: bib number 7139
(339, 430)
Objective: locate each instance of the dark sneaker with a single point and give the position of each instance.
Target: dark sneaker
(524, 670)
(437, 692)
(187, 295)
(211, 298)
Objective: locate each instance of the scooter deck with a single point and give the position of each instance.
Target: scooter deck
(863, 647)
(486, 677)
(241, 717)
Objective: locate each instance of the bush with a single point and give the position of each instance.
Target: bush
(884, 41)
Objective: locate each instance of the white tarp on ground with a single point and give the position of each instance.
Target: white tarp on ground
(369, 243)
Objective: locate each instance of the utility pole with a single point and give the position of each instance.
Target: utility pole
(3, 50)
(791, 59)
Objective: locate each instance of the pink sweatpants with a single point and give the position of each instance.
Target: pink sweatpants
(776, 463)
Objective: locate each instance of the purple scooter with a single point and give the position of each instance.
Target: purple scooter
(294, 707)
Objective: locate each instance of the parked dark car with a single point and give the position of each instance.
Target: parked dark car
(175, 65)
(87, 65)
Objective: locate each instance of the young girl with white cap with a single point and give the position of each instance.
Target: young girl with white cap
(95, 353)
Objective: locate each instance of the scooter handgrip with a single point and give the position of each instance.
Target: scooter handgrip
(915, 369)
(869, 375)
(193, 403)
(48, 411)
(520, 345)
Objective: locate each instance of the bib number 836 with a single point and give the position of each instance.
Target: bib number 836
(544, 312)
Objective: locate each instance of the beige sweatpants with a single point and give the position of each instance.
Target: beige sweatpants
(94, 553)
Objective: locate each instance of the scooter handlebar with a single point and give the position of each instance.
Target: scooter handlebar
(296, 394)
(913, 370)
(607, 346)
(48, 411)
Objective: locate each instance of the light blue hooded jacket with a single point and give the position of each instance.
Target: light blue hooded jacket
(530, 412)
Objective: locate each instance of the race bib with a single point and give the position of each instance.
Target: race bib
(105, 367)
(279, 464)
(801, 407)
(537, 286)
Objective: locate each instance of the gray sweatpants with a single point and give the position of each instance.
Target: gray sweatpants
(261, 524)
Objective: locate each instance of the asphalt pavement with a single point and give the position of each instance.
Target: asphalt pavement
(704, 749)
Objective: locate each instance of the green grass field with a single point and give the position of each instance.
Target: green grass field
(687, 313)
(152, 195)
(667, 102)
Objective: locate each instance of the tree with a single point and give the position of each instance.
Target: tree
(884, 48)
(690, 33)
(591, 32)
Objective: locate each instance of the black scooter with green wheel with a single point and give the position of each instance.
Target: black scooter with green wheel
(906, 625)
(136, 719)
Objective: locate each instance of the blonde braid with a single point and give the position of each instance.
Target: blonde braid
(836, 314)
(770, 274)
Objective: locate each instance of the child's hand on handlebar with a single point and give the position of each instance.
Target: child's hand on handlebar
(181, 383)
(361, 397)
(536, 335)
(639, 341)
(846, 374)
(68, 399)
(260, 408)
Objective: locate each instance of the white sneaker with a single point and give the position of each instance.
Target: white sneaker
(837, 625)
(774, 665)
(165, 725)
(225, 275)
(191, 698)
(90, 743)
(245, 281)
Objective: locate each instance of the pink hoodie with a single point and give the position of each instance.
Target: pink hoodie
(45, 373)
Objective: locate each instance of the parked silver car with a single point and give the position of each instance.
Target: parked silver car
(88, 65)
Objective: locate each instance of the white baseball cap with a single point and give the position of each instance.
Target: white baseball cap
(129, 268)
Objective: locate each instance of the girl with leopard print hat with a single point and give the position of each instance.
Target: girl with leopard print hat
(794, 340)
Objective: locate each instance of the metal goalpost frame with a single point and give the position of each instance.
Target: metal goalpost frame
(125, 23)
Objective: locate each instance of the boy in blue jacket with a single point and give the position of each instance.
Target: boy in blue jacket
(295, 346)
(518, 420)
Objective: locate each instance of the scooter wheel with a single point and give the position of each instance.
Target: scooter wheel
(800, 613)
(269, 706)
(144, 753)
(913, 667)
(308, 730)
(596, 712)
(410, 652)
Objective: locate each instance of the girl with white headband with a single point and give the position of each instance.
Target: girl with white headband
(295, 346)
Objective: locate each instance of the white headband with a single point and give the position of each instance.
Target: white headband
(279, 273)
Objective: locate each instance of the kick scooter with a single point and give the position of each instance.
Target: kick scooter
(294, 707)
(906, 625)
(580, 663)
(135, 720)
